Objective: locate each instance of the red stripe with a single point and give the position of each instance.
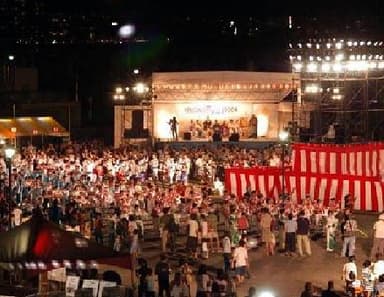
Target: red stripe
(307, 184)
(327, 191)
(339, 190)
(298, 187)
(308, 160)
(363, 164)
(257, 182)
(327, 161)
(352, 188)
(338, 162)
(375, 204)
(317, 188)
(362, 194)
(238, 185)
(287, 183)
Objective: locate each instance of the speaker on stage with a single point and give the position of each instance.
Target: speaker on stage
(187, 136)
(235, 137)
(216, 137)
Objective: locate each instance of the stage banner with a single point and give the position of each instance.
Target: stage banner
(366, 190)
(352, 159)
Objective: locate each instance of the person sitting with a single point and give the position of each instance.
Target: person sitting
(330, 291)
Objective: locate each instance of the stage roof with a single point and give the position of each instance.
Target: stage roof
(31, 126)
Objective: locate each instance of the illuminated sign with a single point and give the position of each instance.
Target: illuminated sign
(211, 110)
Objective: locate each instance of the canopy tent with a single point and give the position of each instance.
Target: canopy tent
(31, 126)
(44, 245)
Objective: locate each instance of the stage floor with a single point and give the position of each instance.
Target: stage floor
(258, 143)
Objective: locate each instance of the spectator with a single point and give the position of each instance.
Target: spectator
(290, 227)
(349, 273)
(162, 271)
(378, 236)
(330, 291)
(308, 290)
(303, 228)
(240, 261)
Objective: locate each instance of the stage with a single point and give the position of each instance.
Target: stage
(248, 143)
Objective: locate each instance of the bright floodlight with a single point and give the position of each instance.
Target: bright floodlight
(2, 141)
(118, 90)
(126, 31)
(283, 135)
(136, 71)
(11, 57)
(266, 294)
(141, 88)
(9, 152)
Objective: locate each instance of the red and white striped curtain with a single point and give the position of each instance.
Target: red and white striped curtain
(353, 159)
(367, 190)
(322, 172)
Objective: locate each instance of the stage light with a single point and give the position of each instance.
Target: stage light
(349, 43)
(136, 71)
(337, 67)
(327, 58)
(297, 67)
(338, 45)
(266, 294)
(309, 45)
(355, 43)
(370, 57)
(11, 57)
(352, 57)
(114, 24)
(326, 67)
(362, 43)
(369, 42)
(372, 65)
(127, 89)
(118, 90)
(299, 45)
(310, 58)
(312, 67)
(329, 45)
(141, 88)
(121, 97)
(381, 57)
(312, 89)
(299, 58)
(364, 57)
(283, 135)
(380, 43)
(337, 97)
(317, 46)
(318, 58)
(375, 44)
(126, 31)
(339, 57)
(336, 90)
(380, 65)
(290, 45)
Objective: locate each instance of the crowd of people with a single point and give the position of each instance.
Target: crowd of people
(107, 195)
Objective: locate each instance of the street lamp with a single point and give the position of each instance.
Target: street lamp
(283, 136)
(9, 153)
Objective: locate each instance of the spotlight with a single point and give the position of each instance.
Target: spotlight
(266, 294)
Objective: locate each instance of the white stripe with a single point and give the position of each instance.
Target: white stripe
(332, 192)
(252, 182)
(262, 185)
(352, 163)
(271, 182)
(374, 161)
(381, 162)
(312, 187)
(302, 187)
(332, 163)
(232, 178)
(344, 191)
(379, 194)
(357, 195)
(303, 161)
(368, 195)
(344, 169)
(323, 185)
(313, 162)
(322, 157)
(368, 163)
(359, 160)
(243, 183)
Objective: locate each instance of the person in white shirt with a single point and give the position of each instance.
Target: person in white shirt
(227, 251)
(349, 272)
(378, 237)
(378, 266)
(193, 228)
(240, 261)
(17, 212)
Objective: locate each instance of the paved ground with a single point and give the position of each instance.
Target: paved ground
(283, 275)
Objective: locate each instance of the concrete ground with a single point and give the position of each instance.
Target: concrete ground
(285, 276)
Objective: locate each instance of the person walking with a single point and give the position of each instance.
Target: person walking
(303, 226)
(331, 226)
(349, 229)
(290, 227)
(378, 237)
(162, 271)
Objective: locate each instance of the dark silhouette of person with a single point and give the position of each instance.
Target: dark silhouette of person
(173, 123)
(253, 126)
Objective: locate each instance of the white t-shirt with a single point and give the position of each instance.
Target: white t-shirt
(378, 268)
(348, 267)
(226, 245)
(17, 212)
(240, 255)
(193, 228)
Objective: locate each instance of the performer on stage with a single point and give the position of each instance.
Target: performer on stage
(253, 126)
(173, 125)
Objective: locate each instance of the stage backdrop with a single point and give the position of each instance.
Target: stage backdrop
(330, 171)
